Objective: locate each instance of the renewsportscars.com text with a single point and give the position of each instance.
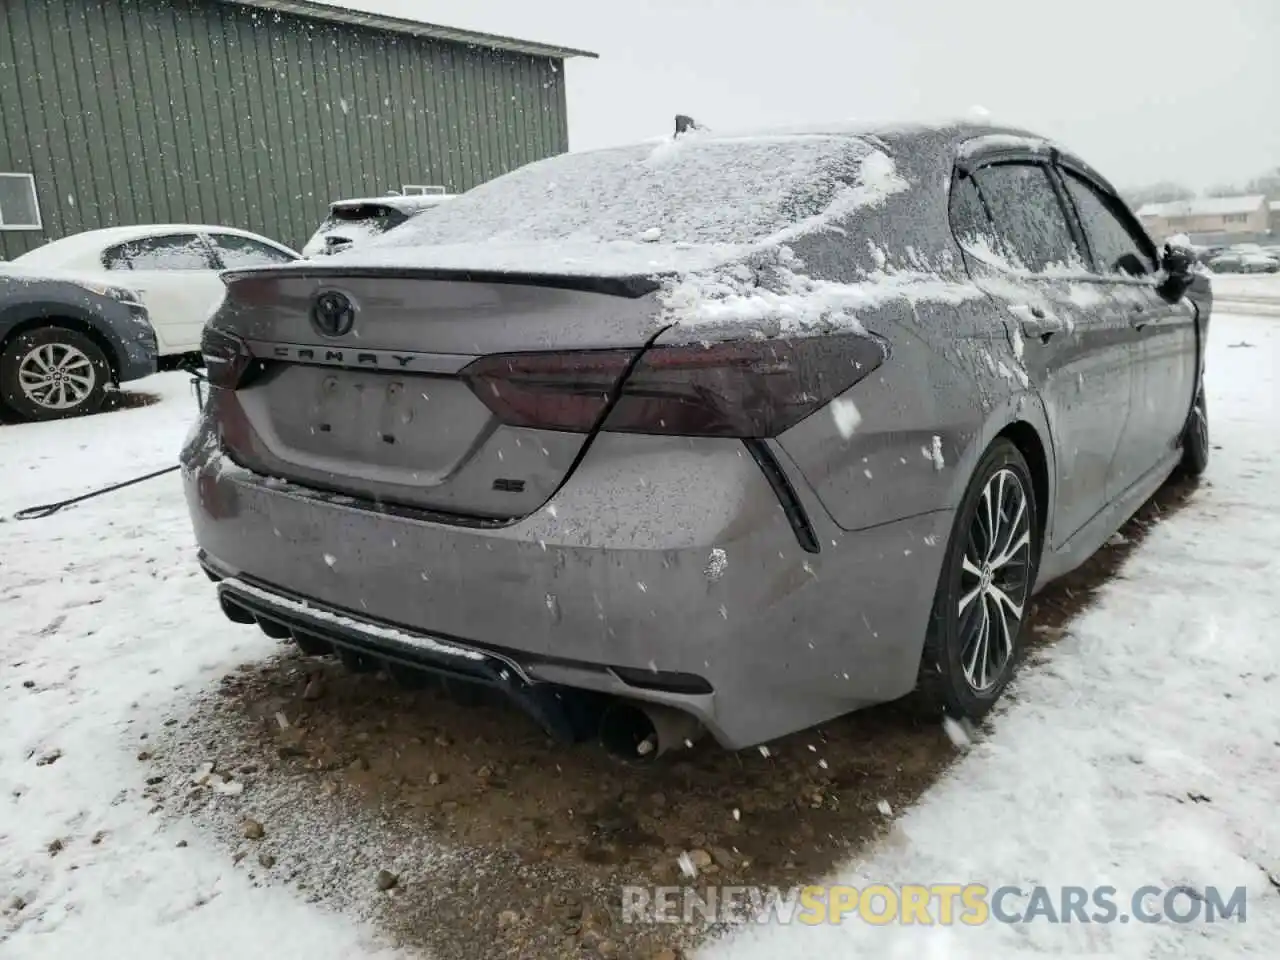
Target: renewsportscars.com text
(942, 904)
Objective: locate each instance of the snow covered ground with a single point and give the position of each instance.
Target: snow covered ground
(1168, 687)
(106, 622)
(1248, 293)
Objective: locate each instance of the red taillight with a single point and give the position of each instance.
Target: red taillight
(226, 358)
(747, 389)
(552, 391)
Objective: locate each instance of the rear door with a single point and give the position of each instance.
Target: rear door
(1126, 261)
(1020, 248)
(178, 279)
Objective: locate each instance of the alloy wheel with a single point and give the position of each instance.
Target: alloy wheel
(994, 580)
(56, 376)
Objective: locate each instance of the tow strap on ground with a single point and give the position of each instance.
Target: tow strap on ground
(48, 509)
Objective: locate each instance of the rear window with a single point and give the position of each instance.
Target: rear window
(376, 217)
(685, 191)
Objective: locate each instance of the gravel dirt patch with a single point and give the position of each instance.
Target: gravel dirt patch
(460, 827)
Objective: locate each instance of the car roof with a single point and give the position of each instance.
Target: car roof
(90, 242)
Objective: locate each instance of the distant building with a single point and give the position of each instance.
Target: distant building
(252, 113)
(1231, 217)
(1275, 217)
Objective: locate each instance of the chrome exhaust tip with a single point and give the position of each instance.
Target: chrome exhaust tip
(641, 733)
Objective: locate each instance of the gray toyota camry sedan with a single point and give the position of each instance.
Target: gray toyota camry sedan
(723, 433)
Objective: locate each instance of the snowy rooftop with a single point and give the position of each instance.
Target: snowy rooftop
(1203, 206)
(416, 28)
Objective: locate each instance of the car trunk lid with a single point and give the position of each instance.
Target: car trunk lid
(375, 402)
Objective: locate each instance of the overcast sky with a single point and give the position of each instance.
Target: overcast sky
(1144, 90)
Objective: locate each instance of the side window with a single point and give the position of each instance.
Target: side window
(969, 221)
(237, 252)
(1117, 248)
(1028, 217)
(182, 251)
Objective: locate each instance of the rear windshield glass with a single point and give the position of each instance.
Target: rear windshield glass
(378, 219)
(684, 191)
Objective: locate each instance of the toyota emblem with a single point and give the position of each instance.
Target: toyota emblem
(333, 313)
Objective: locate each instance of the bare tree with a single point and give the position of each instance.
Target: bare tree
(1268, 183)
(1225, 190)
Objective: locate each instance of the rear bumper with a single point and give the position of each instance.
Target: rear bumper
(644, 584)
(319, 630)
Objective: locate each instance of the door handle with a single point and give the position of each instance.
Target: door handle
(1038, 323)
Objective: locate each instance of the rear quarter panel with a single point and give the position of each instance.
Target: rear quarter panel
(952, 380)
(904, 441)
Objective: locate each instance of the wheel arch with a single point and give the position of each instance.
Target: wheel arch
(78, 324)
(1021, 420)
(1025, 437)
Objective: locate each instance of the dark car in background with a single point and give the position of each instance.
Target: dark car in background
(738, 433)
(64, 344)
(1249, 258)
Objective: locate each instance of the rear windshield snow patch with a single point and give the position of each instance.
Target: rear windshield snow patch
(680, 207)
(700, 191)
(363, 627)
(776, 300)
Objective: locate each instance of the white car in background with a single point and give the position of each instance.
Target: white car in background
(353, 221)
(174, 268)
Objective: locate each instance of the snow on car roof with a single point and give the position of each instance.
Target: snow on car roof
(91, 242)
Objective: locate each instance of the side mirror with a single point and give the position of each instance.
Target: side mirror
(1177, 264)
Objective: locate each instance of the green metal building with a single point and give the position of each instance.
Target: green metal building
(252, 113)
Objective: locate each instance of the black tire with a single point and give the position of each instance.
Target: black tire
(85, 374)
(1195, 437)
(954, 636)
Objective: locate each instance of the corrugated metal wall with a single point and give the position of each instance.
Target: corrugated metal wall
(136, 111)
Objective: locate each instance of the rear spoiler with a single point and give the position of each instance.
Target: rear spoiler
(631, 287)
